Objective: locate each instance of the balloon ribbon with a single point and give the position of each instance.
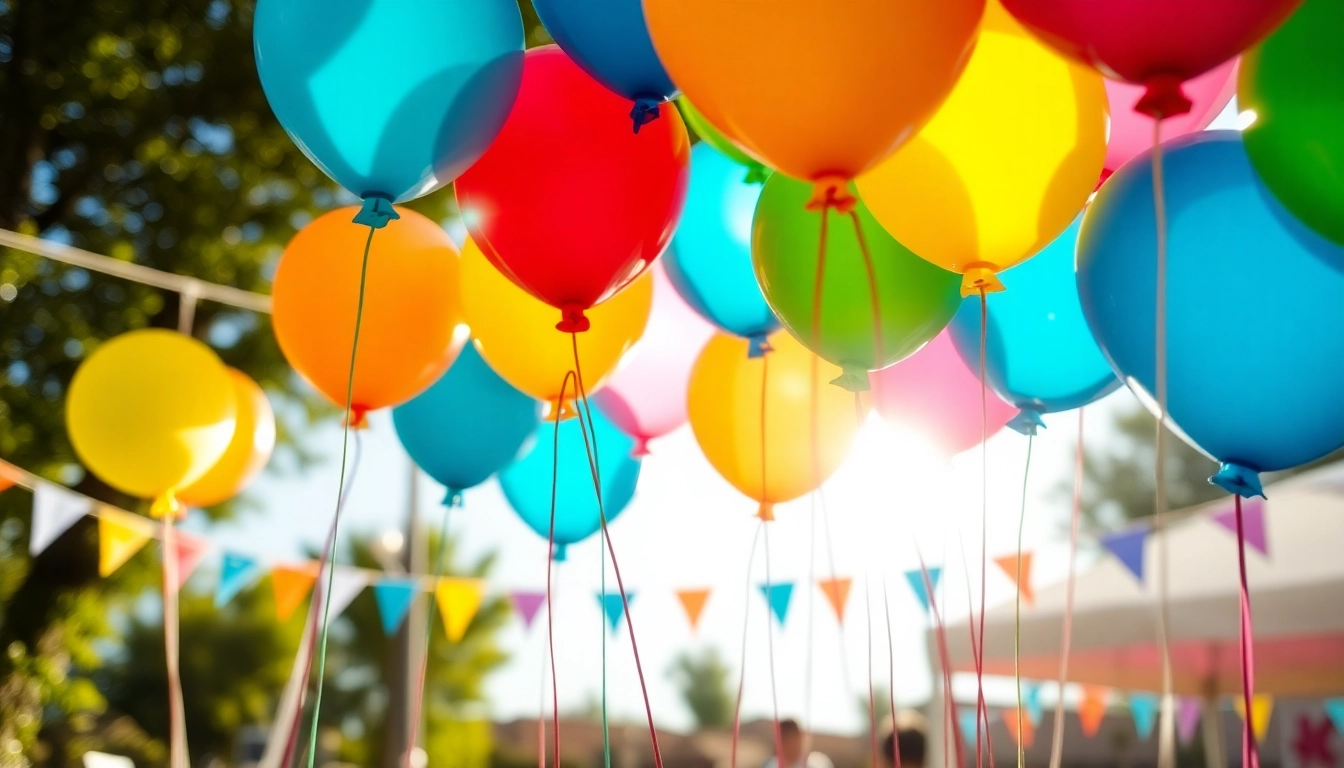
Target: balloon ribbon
(1250, 750)
(178, 755)
(1057, 736)
(949, 708)
(439, 566)
(1017, 607)
(550, 569)
(742, 666)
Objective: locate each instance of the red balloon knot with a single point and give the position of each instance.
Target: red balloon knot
(1164, 98)
(832, 192)
(572, 319)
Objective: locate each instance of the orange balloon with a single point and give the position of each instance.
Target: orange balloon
(724, 405)
(818, 90)
(412, 325)
(248, 451)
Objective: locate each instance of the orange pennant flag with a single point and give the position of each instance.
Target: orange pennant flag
(1092, 709)
(1262, 709)
(1009, 564)
(120, 535)
(458, 599)
(1011, 718)
(693, 602)
(291, 584)
(837, 594)
(9, 475)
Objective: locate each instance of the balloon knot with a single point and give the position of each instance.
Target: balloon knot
(560, 553)
(452, 497)
(1163, 98)
(573, 320)
(756, 174)
(766, 512)
(645, 111)
(757, 345)
(166, 505)
(1027, 421)
(640, 449)
(359, 417)
(832, 192)
(1237, 479)
(979, 277)
(566, 408)
(376, 211)
(853, 379)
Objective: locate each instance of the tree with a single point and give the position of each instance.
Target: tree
(705, 689)
(877, 710)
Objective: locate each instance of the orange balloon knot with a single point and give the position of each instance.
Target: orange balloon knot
(832, 192)
(978, 278)
(566, 407)
(766, 512)
(757, 345)
(645, 111)
(359, 417)
(1164, 98)
(854, 378)
(376, 211)
(1027, 421)
(572, 319)
(756, 174)
(640, 449)
(560, 553)
(166, 505)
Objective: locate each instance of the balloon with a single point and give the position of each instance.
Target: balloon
(1132, 132)
(915, 300)
(611, 42)
(467, 426)
(527, 483)
(820, 91)
(1004, 166)
(568, 203)
(248, 451)
(1039, 354)
(646, 396)
(724, 404)
(710, 258)
(1254, 352)
(391, 99)
(412, 326)
(1158, 45)
(934, 393)
(516, 333)
(150, 412)
(1294, 84)
(697, 124)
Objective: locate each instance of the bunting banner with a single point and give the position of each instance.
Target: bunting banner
(1010, 565)
(9, 476)
(120, 536)
(1027, 734)
(236, 572)
(1128, 547)
(346, 585)
(613, 607)
(1252, 519)
(191, 550)
(1031, 701)
(1262, 710)
(1334, 709)
(1188, 710)
(55, 509)
(693, 603)
(967, 719)
(778, 596)
(916, 580)
(459, 600)
(1143, 708)
(394, 598)
(291, 584)
(527, 604)
(837, 594)
(1092, 709)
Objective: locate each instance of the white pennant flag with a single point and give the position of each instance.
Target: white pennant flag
(345, 587)
(55, 509)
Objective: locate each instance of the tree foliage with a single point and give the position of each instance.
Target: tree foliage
(703, 680)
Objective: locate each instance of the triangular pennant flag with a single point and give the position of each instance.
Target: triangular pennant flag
(1143, 708)
(191, 550)
(1028, 732)
(1128, 546)
(459, 600)
(235, 572)
(1252, 522)
(1334, 709)
(1187, 718)
(9, 475)
(1010, 565)
(527, 604)
(346, 585)
(693, 602)
(613, 607)
(120, 535)
(55, 509)
(967, 718)
(290, 585)
(1092, 709)
(837, 594)
(394, 598)
(916, 579)
(778, 596)
(1262, 709)
(1031, 702)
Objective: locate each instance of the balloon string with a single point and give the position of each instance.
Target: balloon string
(177, 750)
(606, 725)
(891, 672)
(340, 489)
(872, 698)
(873, 299)
(1250, 750)
(982, 708)
(770, 645)
(1017, 607)
(830, 558)
(811, 608)
(949, 709)
(550, 568)
(1057, 736)
(742, 664)
(413, 726)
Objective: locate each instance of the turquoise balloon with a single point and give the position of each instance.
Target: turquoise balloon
(709, 261)
(467, 426)
(527, 483)
(392, 99)
(1039, 353)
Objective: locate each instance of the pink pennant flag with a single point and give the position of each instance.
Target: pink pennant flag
(528, 604)
(191, 549)
(1187, 718)
(1253, 522)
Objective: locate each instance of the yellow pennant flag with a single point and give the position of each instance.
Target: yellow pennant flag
(693, 602)
(1010, 566)
(837, 594)
(458, 599)
(290, 585)
(1262, 709)
(120, 535)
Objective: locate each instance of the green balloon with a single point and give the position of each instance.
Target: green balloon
(915, 299)
(1294, 82)
(756, 173)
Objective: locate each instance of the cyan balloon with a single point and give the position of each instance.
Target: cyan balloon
(467, 426)
(527, 483)
(709, 261)
(1039, 353)
(1255, 353)
(391, 99)
(610, 41)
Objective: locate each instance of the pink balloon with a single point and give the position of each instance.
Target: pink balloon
(646, 396)
(934, 393)
(1132, 133)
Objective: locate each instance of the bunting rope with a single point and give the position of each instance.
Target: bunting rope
(742, 665)
(1017, 607)
(1250, 750)
(1075, 516)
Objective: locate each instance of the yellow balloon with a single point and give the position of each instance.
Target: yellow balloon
(149, 412)
(1004, 166)
(248, 451)
(516, 334)
(724, 406)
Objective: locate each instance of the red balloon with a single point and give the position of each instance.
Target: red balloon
(568, 202)
(1154, 43)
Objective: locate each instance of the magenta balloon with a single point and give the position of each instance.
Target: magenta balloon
(646, 396)
(934, 393)
(1132, 133)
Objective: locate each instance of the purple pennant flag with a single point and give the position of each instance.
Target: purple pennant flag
(1187, 718)
(1128, 546)
(527, 604)
(1252, 519)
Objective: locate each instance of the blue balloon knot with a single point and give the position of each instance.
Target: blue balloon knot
(376, 212)
(854, 378)
(645, 111)
(453, 497)
(757, 345)
(1239, 480)
(560, 554)
(1027, 421)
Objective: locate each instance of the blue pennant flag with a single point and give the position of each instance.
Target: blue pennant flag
(394, 597)
(1128, 546)
(1143, 706)
(778, 596)
(916, 579)
(1334, 708)
(235, 573)
(614, 607)
(1031, 702)
(967, 719)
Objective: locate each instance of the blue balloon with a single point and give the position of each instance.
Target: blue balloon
(709, 260)
(467, 426)
(527, 483)
(610, 41)
(1039, 354)
(391, 99)
(1255, 352)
